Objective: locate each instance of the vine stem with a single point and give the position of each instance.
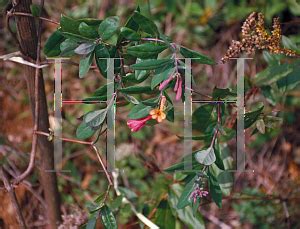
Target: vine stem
(9, 14)
(102, 165)
(64, 139)
(92, 144)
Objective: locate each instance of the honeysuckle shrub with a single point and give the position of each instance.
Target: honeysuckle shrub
(148, 63)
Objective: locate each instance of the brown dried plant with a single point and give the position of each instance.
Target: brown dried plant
(255, 36)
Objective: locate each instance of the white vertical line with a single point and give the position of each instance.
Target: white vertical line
(187, 145)
(57, 114)
(110, 144)
(241, 156)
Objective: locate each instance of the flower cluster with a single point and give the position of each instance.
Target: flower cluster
(198, 193)
(255, 36)
(157, 114)
(177, 87)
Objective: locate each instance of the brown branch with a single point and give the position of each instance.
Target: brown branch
(29, 41)
(36, 110)
(13, 198)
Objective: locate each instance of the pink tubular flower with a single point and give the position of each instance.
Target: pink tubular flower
(178, 85)
(136, 124)
(178, 89)
(165, 83)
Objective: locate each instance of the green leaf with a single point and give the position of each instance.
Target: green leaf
(164, 217)
(206, 157)
(199, 58)
(181, 165)
(76, 37)
(222, 93)
(136, 90)
(108, 218)
(84, 64)
(52, 46)
(131, 77)
(100, 199)
(101, 55)
(67, 47)
(151, 64)
(225, 179)
(130, 195)
(288, 43)
(131, 24)
(90, 100)
(95, 118)
(91, 223)
(271, 58)
(272, 74)
(202, 117)
(203, 137)
(184, 199)
(146, 50)
(185, 214)
(90, 21)
(140, 75)
(102, 91)
(291, 80)
(35, 10)
(116, 203)
(251, 117)
(162, 74)
(196, 206)
(139, 111)
(69, 25)
(108, 27)
(131, 99)
(130, 34)
(214, 188)
(87, 31)
(219, 159)
(145, 24)
(85, 48)
(113, 40)
(84, 131)
(170, 114)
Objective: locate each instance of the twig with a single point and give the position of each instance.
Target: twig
(36, 107)
(63, 139)
(13, 198)
(9, 14)
(197, 92)
(102, 164)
